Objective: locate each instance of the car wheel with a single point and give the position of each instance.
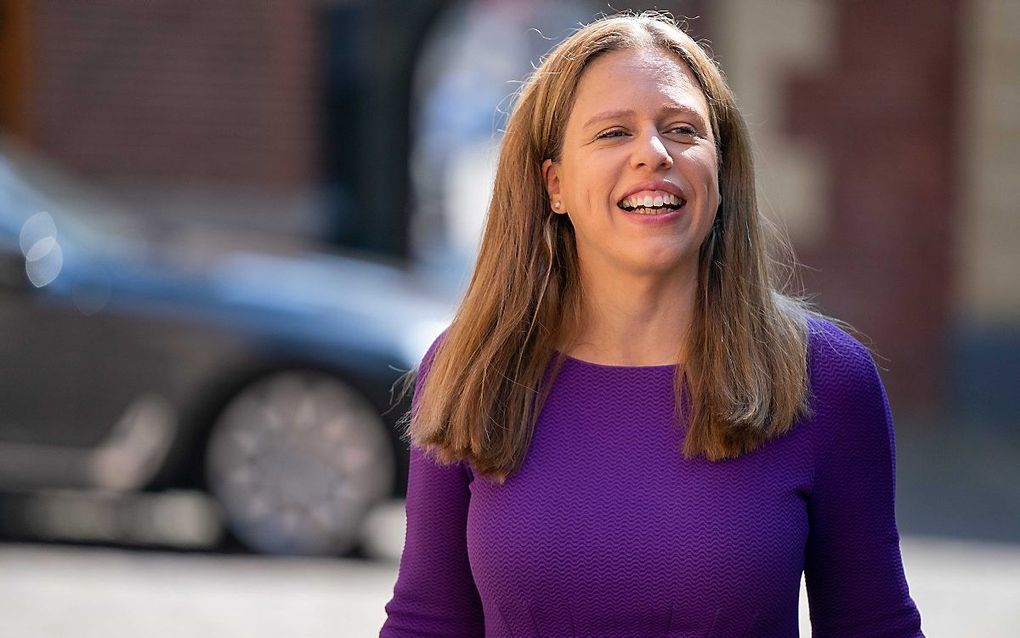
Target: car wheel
(296, 460)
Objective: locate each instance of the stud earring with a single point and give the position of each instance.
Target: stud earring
(556, 204)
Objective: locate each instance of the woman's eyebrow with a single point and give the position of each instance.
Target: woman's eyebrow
(672, 109)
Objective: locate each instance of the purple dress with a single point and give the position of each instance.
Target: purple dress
(607, 530)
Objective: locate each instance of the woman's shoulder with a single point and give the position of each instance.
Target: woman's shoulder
(430, 353)
(832, 345)
(840, 365)
(853, 431)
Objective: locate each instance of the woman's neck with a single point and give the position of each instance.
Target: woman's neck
(634, 321)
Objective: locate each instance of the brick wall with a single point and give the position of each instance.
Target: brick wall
(886, 116)
(854, 108)
(221, 92)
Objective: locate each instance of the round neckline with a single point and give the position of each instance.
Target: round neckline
(606, 366)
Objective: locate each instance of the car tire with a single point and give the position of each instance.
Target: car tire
(296, 460)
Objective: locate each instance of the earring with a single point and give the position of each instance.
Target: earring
(556, 204)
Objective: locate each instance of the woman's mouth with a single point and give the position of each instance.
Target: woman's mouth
(651, 203)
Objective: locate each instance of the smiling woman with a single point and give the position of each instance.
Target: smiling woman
(629, 429)
(653, 147)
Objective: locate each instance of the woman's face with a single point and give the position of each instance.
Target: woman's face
(637, 175)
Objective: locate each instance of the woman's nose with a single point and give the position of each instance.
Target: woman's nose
(652, 152)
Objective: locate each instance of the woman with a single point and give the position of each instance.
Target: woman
(627, 430)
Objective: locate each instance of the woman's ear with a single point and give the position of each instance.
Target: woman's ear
(550, 173)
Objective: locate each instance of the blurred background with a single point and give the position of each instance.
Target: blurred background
(226, 228)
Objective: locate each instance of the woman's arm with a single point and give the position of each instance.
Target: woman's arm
(853, 570)
(435, 593)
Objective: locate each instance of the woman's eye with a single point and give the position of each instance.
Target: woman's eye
(612, 133)
(685, 130)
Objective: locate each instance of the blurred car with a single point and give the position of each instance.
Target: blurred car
(131, 364)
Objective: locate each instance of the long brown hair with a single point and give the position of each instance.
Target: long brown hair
(746, 369)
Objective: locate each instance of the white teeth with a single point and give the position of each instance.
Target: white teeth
(652, 201)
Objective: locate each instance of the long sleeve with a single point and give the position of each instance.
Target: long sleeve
(435, 593)
(853, 569)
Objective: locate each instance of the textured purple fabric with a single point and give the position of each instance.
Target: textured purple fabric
(607, 531)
